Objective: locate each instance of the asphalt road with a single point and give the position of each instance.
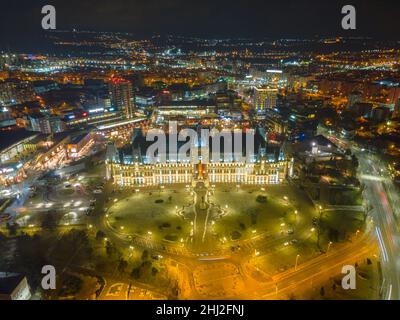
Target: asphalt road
(381, 195)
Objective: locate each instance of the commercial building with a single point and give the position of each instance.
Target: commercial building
(46, 123)
(78, 144)
(184, 111)
(14, 286)
(121, 94)
(265, 98)
(16, 143)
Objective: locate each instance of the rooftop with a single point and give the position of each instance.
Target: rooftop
(8, 138)
(9, 281)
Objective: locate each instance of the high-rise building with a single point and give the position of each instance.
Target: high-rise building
(121, 94)
(265, 98)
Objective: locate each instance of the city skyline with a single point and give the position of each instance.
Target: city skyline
(208, 19)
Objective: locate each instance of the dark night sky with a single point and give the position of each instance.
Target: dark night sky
(20, 20)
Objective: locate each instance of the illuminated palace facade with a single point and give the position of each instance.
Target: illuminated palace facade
(129, 166)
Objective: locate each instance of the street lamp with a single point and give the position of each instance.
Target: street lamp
(297, 260)
(319, 224)
(329, 245)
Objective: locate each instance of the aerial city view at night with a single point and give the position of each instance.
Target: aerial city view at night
(199, 150)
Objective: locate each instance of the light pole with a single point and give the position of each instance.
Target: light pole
(297, 260)
(329, 245)
(131, 252)
(319, 225)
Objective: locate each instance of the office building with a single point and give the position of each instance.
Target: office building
(121, 94)
(265, 98)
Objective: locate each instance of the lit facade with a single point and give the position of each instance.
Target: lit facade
(138, 174)
(121, 93)
(265, 98)
(129, 166)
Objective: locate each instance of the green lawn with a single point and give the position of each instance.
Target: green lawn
(152, 211)
(340, 224)
(245, 213)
